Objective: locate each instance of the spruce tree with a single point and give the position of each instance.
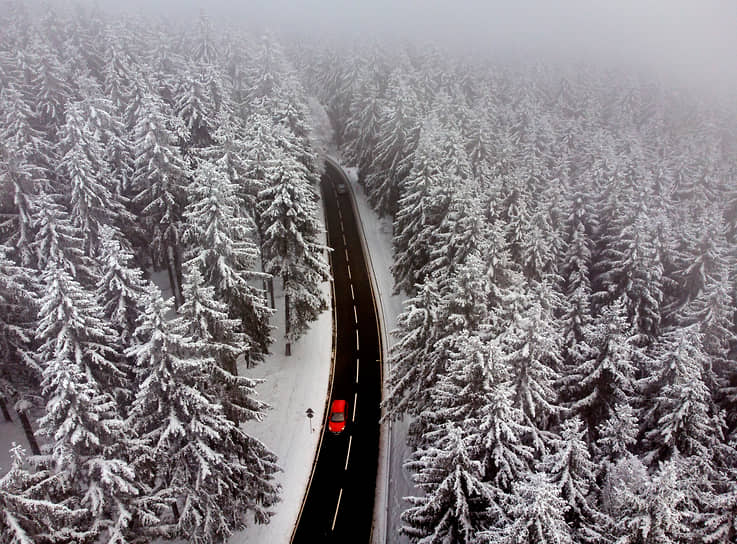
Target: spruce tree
(195, 460)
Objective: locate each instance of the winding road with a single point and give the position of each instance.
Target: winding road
(340, 500)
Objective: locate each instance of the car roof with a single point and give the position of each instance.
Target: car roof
(338, 405)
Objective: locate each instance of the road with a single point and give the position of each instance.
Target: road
(340, 501)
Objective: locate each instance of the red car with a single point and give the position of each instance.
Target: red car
(336, 423)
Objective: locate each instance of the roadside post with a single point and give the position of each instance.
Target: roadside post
(310, 415)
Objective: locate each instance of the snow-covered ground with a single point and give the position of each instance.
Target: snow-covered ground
(292, 384)
(394, 483)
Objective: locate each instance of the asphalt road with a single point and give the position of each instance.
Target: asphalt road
(340, 501)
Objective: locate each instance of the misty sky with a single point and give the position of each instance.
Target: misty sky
(696, 39)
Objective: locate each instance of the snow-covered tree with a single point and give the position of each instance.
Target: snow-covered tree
(195, 460)
(160, 178)
(205, 319)
(531, 351)
(604, 376)
(28, 516)
(570, 468)
(220, 244)
(537, 515)
(680, 418)
(83, 171)
(456, 503)
(290, 246)
(399, 133)
(88, 441)
(651, 509)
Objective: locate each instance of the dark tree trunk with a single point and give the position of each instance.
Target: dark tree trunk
(173, 277)
(28, 430)
(4, 408)
(288, 348)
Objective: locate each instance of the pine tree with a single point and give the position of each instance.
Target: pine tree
(160, 178)
(604, 377)
(571, 470)
(121, 289)
(205, 319)
(20, 373)
(24, 166)
(85, 174)
(88, 444)
(412, 369)
(27, 514)
(536, 515)
(652, 510)
(531, 351)
(457, 503)
(423, 203)
(221, 246)
(290, 229)
(680, 419)
(195, 459)
(399, 133)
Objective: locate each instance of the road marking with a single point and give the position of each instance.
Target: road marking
(349, 273)
(348, 454)
(346, 255)
(353, 294)
(357, 364)
(337, 506)
(355, 401)
(344, 241)
(355, 314)
(357, 344)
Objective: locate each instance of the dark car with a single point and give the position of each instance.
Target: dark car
(341, 189)
(336, 423)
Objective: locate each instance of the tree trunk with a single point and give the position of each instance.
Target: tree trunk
(288, 348)
(271, 293)
(4, 408)
(28, 430)
(173, 279)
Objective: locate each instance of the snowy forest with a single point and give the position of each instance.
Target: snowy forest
(127, 148)
(565, 237)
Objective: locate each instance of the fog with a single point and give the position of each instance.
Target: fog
(694, 41)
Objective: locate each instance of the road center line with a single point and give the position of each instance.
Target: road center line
(337, 506)
(357, 344)
(346, 255)
(353, 294)
(355, 401)
(344, 240)
(348, 453)
(355, 314)
(357, 362)
(349, 273)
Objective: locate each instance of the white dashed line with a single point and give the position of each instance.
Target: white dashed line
(355, 315)
(346, 254)
(357, 364)
(349, 273)
(337, 506)
(348, 453)
(355, 402)
(344, 241)
(353, 293)
(357, 345)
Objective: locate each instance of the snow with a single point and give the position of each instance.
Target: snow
(11, 433)
(300, 381)
(292, 384)
(393, 481)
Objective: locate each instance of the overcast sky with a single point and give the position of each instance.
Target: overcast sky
(696, 39)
